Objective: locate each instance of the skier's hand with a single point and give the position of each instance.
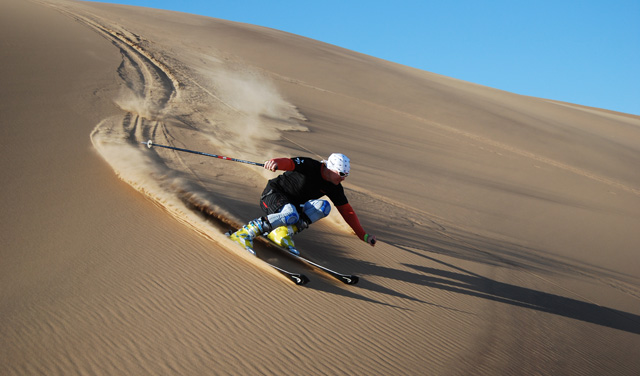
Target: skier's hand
(371, 239)
(271, 165)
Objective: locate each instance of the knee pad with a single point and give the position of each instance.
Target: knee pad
(317, 209)
(290, 214)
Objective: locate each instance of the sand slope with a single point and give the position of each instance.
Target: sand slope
(507, 224)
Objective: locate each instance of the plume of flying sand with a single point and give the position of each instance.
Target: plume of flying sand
(165, 187)
(258, 115)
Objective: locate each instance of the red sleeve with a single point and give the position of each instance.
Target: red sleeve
(352, 219)
(284, 164)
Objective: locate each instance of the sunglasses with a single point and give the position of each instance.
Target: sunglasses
(342, 174)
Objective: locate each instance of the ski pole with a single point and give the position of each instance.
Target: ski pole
(150, 144)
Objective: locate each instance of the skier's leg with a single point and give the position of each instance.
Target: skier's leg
(279, 211)
(315, 210)
(288, 215)
(312, 211)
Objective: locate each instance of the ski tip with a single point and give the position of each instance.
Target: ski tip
(350, 279)
(299, 279)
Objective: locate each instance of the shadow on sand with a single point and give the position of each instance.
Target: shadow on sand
(468, 283)
(465, 282)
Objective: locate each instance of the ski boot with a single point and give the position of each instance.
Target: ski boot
(282, 236)
(248, 232)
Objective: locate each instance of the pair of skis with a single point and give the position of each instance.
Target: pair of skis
(301, 279)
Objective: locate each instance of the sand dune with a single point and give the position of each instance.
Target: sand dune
(507, 225)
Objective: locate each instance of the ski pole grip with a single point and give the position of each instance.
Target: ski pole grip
(366, 239)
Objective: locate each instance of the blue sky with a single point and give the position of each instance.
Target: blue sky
(585, 52)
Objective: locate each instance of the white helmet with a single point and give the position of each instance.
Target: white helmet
(339, 163)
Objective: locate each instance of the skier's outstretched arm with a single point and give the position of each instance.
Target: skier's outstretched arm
(351, 218)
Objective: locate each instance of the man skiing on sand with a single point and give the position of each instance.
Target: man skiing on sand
(291, 200)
